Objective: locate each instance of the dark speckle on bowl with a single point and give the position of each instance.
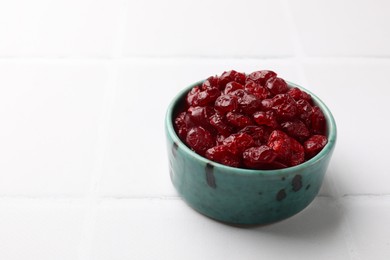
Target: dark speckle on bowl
(210, 176)
(175, 146)
(281, 195)
(297, 182)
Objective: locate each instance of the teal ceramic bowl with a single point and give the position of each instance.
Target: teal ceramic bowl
(243, 196)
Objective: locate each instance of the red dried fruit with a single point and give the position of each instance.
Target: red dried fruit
(199, 139)
(298, 94)
(238, 120)
(260, 134)
(267, 118)
(296, 129)
(297, 153)
(229, 76)
(318, 122)
(232, 86)
(305, 111)
(276, 86)
(221, 154)
(248, 104)
(180, 125)
(314, 145)
(257, 157)
(255, 89)
(237, 143)
(211, 82)
(220, 124)
(198, 116)
(226, 103)
(284, 106)
(253, 121)
(261, 77)
(281, 144)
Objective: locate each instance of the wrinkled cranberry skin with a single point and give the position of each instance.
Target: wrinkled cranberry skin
(180, 125)
(261, 77)
(248, 104)
(229, 76)
(221, 154)
(296, 129)
(232, 86)
(211, 82)
(280, 142)
(284, 106)
(238, 120)
(257, 157)
(226, 103)
(198, 116)
(276, 86)
(237, 143)
(260, 134)
(258, 91)
(220, 124)
(314, 145)
(318, 122)
(253, 121)
(199, 139)
(267, 118)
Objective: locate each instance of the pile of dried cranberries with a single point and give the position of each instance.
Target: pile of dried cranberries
(253, 121)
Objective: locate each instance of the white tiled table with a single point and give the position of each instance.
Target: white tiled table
(84, 174)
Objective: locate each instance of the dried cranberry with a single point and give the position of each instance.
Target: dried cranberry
(238, 120)
(314, 145)
(255, 89)
(261, 77)
(248, 104)
(281, 144)
(220, 124)
(257, 157)
(180, 125)
(221, 154)
(199, 116)
(260, 134)
(298, 94)
(297, 153)
(318, 122)
(296, 129)
(276, 86)
(232, 86)
(199, 139)
(226, 103)
(267, 118)
(284, 106)
(305, 110)
(266, 104)
(237, 143)
(211, 82)
(229, 76)
(253, 121)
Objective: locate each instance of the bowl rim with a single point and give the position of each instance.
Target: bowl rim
(331, 128)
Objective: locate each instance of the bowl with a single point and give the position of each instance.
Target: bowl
(242, 196)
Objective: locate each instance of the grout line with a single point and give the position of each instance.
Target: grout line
(92, 199)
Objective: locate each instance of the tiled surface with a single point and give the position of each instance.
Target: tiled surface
(44, 230)
(83, 90)
(50, 114)
(343, 28)
(207, 28)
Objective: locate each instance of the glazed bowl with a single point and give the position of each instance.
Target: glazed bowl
(243, 196)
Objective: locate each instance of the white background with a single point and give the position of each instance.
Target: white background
(84, 86)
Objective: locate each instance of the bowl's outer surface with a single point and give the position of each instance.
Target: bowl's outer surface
(241, 196)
